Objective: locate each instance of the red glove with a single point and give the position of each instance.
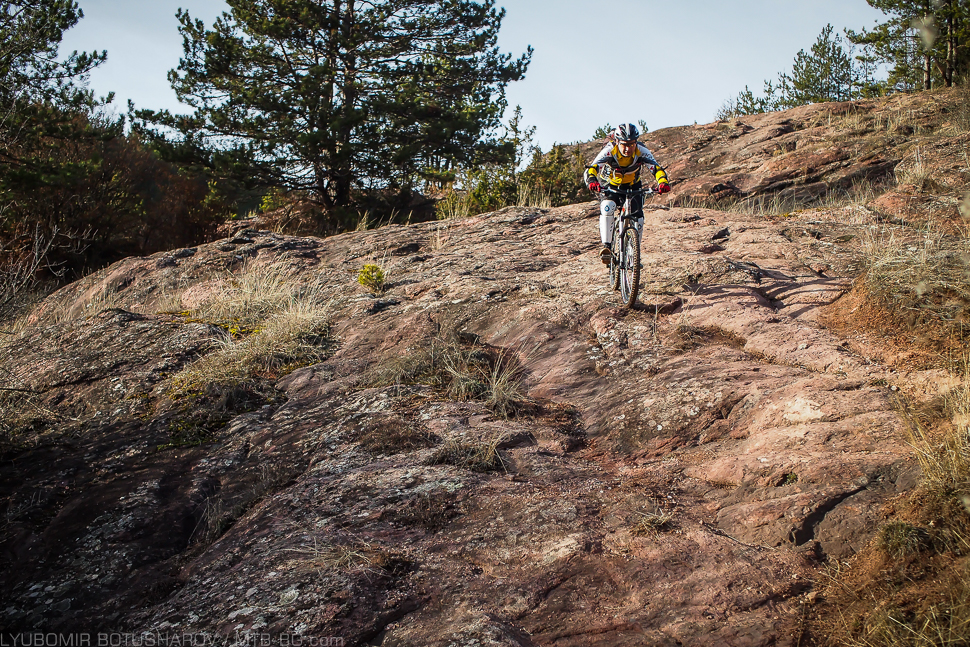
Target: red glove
(663, 187)
(594, 186)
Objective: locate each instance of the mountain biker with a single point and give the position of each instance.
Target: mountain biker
(626, 157)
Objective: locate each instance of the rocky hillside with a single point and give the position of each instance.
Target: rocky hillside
(487, 449)
(909, 149)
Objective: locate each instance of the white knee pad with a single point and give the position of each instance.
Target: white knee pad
(607, 209)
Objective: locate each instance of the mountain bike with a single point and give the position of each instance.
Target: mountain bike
(625, 248)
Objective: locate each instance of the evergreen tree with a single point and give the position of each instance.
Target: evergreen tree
(343, 97)
(30, 70)
(925, 42)
(825, 73)
(75, 192)
(45, 107)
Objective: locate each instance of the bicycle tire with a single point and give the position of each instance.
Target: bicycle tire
(630, 268)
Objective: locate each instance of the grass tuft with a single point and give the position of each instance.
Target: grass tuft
(901, 540)
(272, 324)
(462, 370)
(474, 455)
(387, 435)
(652, 522)
(357, 556)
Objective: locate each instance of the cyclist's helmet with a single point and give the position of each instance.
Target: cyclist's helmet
(626, 133)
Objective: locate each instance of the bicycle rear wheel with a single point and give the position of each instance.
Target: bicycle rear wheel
(630, 268)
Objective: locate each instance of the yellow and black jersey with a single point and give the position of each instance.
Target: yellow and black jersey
(613, 168)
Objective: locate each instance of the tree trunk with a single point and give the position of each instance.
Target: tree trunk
(951, 50)
(348, 89)
(321, 173)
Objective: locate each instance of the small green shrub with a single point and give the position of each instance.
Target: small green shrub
(372, 277)
(273, 200)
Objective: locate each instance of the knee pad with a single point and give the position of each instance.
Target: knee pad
(607, 209)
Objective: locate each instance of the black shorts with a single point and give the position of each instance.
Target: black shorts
(636, 202)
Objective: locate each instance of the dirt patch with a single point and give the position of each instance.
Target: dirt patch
(901, 340)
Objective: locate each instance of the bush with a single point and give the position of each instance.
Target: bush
(372, 277)
(98, 195)
(557, 174)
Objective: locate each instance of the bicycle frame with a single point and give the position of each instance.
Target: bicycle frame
(625, 264)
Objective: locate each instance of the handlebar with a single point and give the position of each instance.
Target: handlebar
(628, 192)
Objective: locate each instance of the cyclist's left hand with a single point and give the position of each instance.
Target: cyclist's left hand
(663, 187)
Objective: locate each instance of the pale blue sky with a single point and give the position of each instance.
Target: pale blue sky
(596, 62)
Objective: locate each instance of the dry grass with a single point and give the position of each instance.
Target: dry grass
(940, 438)
(440, 238)
(22, 413)
(462, 370)
(297, 336)
(961, 116)
(457, 204)
(924, 278)
(914, 171)
(431, 510)
(651, 522)
(254, 292)
(273, 324)
(917, 594)
(860, 192)
(944, 624)
(392, 435)
(529, 195)
(901, 540)
(348, 557)
(475, 455)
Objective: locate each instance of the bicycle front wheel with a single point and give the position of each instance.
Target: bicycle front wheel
(630, 267)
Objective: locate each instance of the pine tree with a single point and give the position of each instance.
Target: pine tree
(825, 73)
(33, 77)
(339, 98)
(925, 42)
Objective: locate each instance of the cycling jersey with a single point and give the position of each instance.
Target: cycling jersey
(618, 170)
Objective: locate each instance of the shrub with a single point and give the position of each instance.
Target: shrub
(372, 277)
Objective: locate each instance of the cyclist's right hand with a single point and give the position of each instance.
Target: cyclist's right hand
(594, 186)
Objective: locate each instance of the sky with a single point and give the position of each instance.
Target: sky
(595, 63)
